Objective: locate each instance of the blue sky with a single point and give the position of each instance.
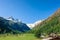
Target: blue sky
(28, 11)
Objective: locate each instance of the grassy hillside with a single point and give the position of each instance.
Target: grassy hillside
(50, 25)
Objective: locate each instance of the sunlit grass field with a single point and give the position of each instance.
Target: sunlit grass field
(18, 37)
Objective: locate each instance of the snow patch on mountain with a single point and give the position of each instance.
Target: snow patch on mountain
(14, 20)
(34, 24)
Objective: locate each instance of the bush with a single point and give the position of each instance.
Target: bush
(38, 35)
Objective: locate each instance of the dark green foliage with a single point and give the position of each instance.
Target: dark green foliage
(50, 25)
(38, 34)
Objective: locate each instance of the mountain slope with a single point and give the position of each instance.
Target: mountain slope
(7, 26)
(50, 25)
(31, 26)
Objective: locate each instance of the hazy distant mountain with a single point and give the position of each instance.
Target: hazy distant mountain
(34, 24)
(7, 26)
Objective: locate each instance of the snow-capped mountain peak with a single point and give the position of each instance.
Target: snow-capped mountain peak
(14, 20)
(10, 18)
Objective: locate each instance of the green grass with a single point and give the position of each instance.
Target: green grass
(19, 37)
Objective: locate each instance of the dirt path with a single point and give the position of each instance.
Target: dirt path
(47, 38)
